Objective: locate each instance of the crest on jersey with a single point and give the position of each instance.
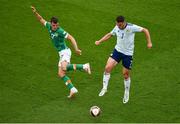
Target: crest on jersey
(127, 30)
(56, 34)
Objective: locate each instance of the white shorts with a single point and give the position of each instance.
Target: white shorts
(64, 55)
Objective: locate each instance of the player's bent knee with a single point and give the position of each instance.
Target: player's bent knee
(63, 67)
(107, 69)
(61, 74)
(126, 75)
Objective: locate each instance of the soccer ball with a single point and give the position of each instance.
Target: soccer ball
(95, 111)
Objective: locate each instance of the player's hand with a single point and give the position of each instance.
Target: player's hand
(78, 51)
(97, 42)
(33, 9)
(149, 45)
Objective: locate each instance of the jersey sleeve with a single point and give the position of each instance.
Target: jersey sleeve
(113, 32)
(47, 25)
(136, 28)
(63, 33)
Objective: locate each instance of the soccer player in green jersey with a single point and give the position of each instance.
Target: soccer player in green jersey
(58, 36)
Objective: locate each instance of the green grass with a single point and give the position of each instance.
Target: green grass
(30, 90)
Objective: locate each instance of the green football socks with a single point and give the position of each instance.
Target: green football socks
(67, 81)
(71, 67)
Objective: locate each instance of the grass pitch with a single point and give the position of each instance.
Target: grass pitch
(30, 90)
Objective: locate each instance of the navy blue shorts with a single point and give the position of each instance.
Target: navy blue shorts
(126, 59)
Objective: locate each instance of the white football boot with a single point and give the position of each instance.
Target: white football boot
(73, 91)
(87, 68)
(103, 91)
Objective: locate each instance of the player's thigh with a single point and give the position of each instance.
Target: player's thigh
(61, 72)
(63, 65)
(111, 63)
(127, 62)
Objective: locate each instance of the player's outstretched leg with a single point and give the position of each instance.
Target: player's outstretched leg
(73, 67)
(106, 78)
(66, 79)
(111, 63)
(127, 82)
(70, 86)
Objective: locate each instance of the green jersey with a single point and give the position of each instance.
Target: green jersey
(57, 37)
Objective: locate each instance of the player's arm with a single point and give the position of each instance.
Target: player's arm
(39, 17)
(148, 37)
(104, 38)
(74, 43)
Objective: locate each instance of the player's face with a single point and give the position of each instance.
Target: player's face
(54, 26)
(121, 25)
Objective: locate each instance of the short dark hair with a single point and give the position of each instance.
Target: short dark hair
(54, 20)
(120, 19)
